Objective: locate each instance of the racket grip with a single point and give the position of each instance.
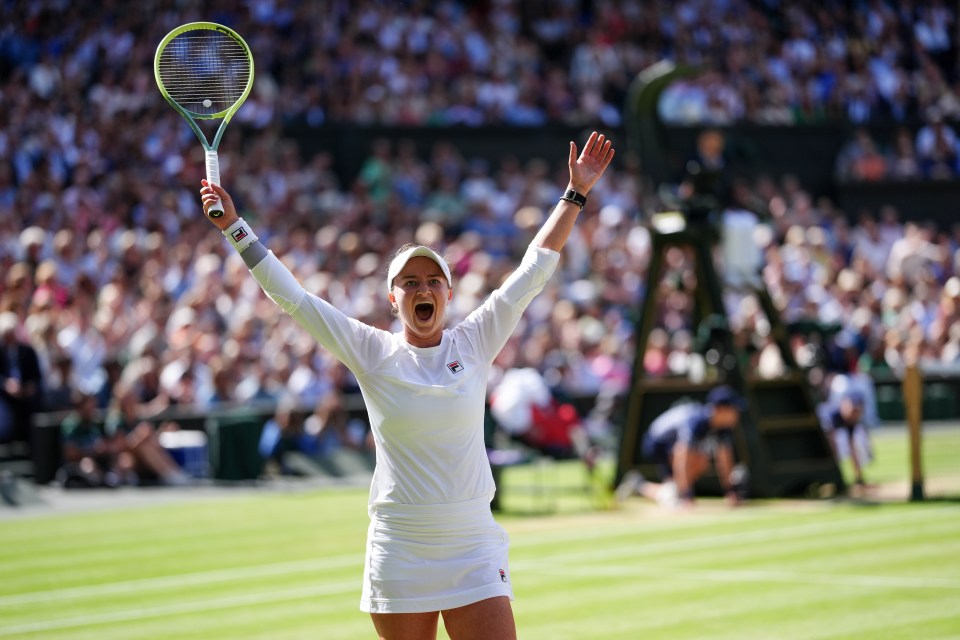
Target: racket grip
(213, 177)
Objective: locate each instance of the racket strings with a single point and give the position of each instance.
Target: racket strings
(204, 71)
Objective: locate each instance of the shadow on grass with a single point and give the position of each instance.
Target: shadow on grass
(859, 501)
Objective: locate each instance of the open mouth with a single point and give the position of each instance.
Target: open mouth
(424, 311)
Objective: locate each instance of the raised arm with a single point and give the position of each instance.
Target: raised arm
(584, 173)
(350, 341)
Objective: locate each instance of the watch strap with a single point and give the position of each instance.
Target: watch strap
(576, 198)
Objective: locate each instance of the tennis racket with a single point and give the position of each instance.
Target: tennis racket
(205, 71)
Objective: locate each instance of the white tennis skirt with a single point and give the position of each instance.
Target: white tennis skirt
(434, 557)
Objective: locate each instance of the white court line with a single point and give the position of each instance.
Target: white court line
(747, 575)
(193, 606)
(185, 580)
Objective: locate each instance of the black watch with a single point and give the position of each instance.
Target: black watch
(576, 198)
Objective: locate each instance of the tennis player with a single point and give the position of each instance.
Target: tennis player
(433, 546)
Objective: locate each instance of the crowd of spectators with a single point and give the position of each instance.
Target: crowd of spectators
(506, 61)
(123, 289)
(799, 62)
(933, 153)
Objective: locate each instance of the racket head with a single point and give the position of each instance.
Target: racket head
(204, 70)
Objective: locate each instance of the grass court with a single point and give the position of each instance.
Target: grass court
(287, 564)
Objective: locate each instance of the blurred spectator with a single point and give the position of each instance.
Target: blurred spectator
(860, 159)
(59, 395)
(937, 149)
(903, 163)
(20, 383)
(284, 444)
(327, 441)
(136, 441)
(334, 429)
(524, 407)
(91, 459)
(705, 185)
(222, 382)
(655, 360)
(911, 255)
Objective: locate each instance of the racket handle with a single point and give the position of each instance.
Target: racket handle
(213, 177)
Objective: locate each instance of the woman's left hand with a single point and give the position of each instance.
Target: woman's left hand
(587, 169)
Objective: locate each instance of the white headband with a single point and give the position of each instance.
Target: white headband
(401, 261)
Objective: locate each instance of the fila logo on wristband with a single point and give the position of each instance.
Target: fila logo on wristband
(240, 235)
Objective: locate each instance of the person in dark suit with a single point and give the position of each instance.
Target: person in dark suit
(20, 382)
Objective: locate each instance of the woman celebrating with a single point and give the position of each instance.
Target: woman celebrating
(432, 547)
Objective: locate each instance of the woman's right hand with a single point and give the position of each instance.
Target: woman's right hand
(209, 194)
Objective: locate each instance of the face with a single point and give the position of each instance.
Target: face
(850, 410)
(87, 406)
(725, 417)
(420, 294)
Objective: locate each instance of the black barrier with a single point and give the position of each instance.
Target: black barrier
(919, 200)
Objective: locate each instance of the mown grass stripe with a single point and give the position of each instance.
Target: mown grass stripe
(187, 579)
(781, 534)
(840, 545)
(177, 608)
(639, 606)
(750, 576)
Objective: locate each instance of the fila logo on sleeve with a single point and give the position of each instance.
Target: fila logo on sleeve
(455, 366)
(239, 234)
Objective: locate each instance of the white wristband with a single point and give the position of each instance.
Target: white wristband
(240, 235)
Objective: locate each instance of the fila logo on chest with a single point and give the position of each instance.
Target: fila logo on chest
(455, 366)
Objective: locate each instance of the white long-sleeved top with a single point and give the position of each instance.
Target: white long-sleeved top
(425, 405)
